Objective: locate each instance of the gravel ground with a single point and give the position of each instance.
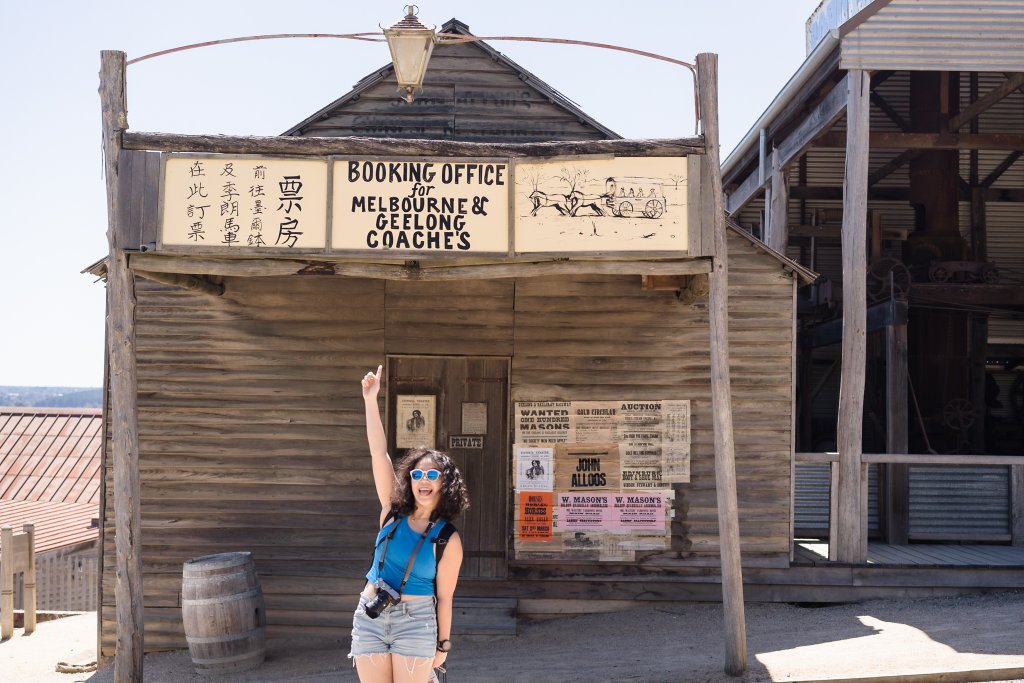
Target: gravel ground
(864, 641)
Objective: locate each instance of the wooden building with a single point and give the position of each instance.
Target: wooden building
(890, 163)
(250, 424)
(50, 478)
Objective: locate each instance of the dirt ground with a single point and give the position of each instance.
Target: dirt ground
(969, 638)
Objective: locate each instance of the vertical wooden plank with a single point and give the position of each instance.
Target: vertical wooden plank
(978, 352)
(123, 396)
(29, 603)
(707, 208)
(897, 477)
(1017, 505)
(6, 582)
(778, 229)
(852, 505)
(694, 213)
(721, 397)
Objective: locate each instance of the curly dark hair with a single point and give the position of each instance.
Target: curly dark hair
(454, 498)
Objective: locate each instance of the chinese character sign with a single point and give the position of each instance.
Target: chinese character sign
(444, 207)
(237, 202)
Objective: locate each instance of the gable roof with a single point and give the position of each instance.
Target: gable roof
(471, 92)
(50, 454)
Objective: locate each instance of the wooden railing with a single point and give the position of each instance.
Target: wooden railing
(1015, 462)
(916, 459)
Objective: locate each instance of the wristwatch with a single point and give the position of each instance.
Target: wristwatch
(444, 645)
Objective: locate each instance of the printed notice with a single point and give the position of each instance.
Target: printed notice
(535, 517)
(534, 468)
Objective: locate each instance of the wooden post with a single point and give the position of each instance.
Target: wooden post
(6, 582)
(897, 477)
(123, 405)
(721, 397)
(851, 537)
(29, 594)
(778, 229)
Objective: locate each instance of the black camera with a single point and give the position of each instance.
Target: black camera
(386, 596)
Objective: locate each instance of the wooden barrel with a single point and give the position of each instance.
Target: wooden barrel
(223, 611)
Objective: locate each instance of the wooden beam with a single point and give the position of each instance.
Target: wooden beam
(28, 595)
(901, 194)
(156, 263)
(6, 582)
(887, 109)
(195, 283)
(721, 397)
(1002, 168)
(123, 387)
(990, 98)
(778, 228)
(851, 541)
(1017, 505)
(897, 162)
(817, 123)
(970, 459)
(317, 146)
(994, 141)
(896, 477)
(974, 294)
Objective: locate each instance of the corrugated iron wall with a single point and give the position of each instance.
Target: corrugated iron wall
(939, 35)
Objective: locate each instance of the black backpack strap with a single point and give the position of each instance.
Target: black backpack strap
(441, 540)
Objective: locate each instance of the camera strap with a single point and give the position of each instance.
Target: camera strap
(412, 555)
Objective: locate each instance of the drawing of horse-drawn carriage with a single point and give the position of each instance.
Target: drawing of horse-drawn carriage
(632, 196)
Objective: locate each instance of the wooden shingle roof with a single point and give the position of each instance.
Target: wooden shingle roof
(50, 455)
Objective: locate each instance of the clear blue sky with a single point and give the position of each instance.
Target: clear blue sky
(51, 316)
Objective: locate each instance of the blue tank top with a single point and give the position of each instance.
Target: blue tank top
(424, 570)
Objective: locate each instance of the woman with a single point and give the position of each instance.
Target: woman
(412, 634)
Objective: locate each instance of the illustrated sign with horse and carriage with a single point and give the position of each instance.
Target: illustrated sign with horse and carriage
(606, 205)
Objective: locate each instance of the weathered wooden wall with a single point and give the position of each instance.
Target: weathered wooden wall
(252, 438)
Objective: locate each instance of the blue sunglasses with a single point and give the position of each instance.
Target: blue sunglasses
(417, 474)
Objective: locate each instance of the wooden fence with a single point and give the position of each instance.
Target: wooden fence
(65, 582)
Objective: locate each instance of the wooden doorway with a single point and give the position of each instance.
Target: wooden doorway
(470, 423)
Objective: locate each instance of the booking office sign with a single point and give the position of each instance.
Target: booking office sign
(421, 206)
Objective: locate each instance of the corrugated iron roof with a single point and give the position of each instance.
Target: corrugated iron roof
(50, 454)
(57, 525)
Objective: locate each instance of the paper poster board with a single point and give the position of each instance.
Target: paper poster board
(621, 204)
(454, 208)
(415, 419)
(653, 435)
(221, 203)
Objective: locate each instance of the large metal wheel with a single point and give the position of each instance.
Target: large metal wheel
(959, 414)
(653, 209)
(939, 273)
(625, 209)
(887, 274)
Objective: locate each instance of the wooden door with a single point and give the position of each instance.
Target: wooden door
(470, 401)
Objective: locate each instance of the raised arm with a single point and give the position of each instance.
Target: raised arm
(383, 470)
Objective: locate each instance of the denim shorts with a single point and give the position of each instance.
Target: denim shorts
(408, 629)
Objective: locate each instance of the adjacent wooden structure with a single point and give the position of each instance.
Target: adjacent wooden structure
(901, 137)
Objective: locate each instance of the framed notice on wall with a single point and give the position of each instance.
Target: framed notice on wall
(415, 419)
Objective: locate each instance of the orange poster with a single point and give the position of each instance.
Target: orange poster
(535, 516)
